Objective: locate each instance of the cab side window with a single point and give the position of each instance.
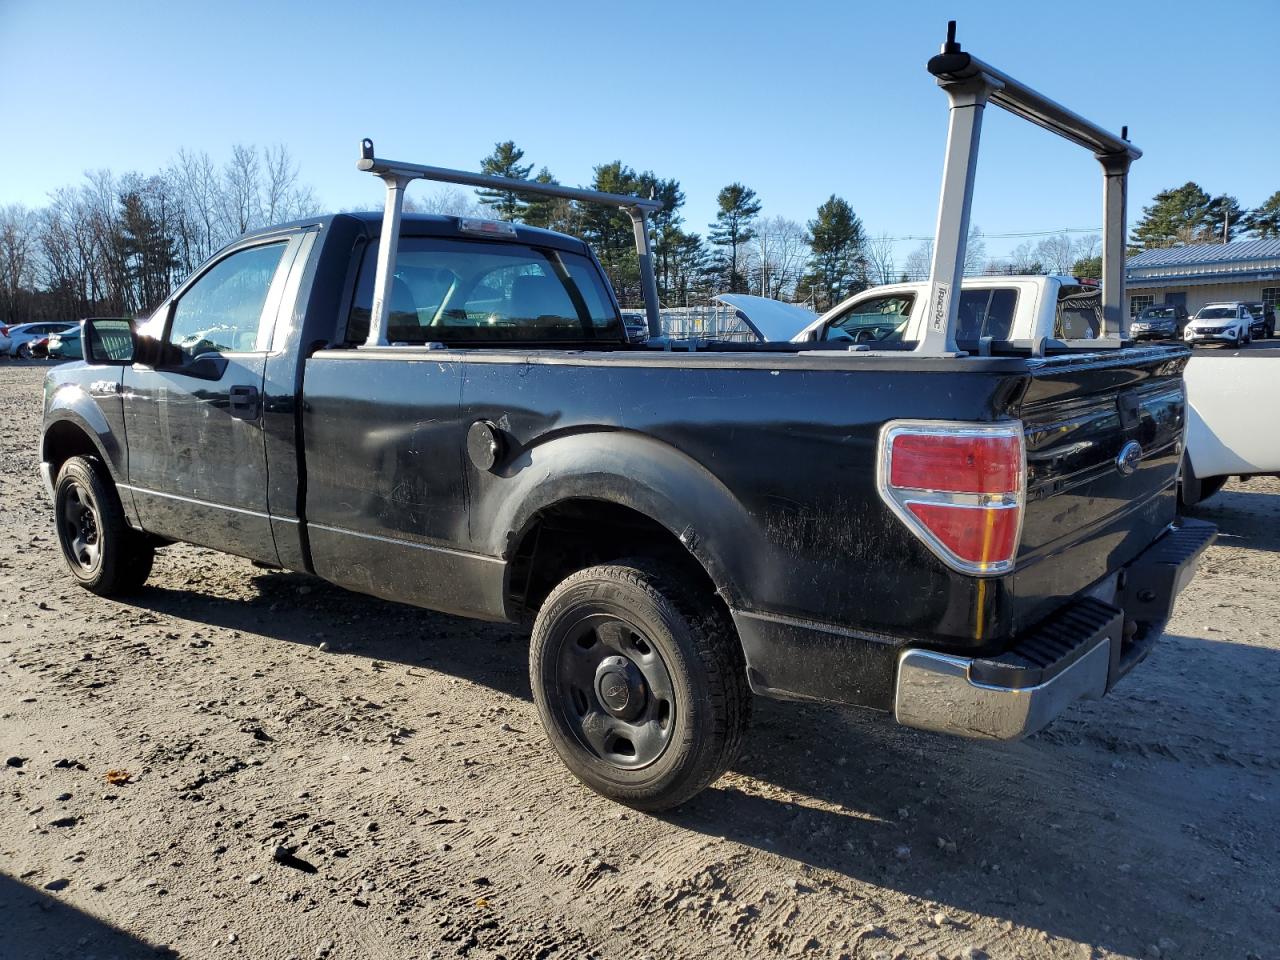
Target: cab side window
(878, 320)
(986, 313)
(222, 311)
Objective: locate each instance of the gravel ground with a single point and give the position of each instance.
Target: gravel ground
(240, 763)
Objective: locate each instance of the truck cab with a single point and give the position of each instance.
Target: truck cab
(995, 309)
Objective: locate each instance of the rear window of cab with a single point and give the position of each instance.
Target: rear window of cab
(448, 290)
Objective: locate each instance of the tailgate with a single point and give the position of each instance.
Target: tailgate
(1104, 441)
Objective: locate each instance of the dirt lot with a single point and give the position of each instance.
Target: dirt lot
(397, 753)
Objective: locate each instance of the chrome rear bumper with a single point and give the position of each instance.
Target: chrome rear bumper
(936, 692)
(1078, 653)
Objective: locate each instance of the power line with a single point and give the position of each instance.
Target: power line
(1004, 236)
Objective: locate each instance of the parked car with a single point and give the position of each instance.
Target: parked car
(64, 345)
(967, 542)
(1264, 319)
(23, 335)
(1167, 321)
(637, 326)
(5, 340)
(1226, 322)
(1231, 399)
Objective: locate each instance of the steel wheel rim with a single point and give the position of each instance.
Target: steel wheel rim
(79, 527)
(614, 691)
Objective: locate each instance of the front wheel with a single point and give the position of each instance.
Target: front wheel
(640, 684)
(24, 351)
(101, 550)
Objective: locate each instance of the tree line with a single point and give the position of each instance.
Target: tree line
(1187, 214)
(822, 261)
(116, 245)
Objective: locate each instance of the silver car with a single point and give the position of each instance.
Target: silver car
(22, 335)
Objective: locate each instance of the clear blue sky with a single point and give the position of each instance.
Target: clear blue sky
(797, 100)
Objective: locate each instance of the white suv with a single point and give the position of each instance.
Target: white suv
(1222, 322)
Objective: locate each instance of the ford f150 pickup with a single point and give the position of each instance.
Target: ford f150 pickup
(449, 413)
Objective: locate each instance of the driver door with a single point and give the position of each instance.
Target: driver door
(193, 421)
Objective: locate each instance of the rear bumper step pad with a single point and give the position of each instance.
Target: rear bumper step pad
(1078, 653)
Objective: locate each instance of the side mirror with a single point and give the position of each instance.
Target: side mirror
(108, 341)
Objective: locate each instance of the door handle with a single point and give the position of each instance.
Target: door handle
(244, 402)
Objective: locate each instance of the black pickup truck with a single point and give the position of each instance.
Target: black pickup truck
(969, 541)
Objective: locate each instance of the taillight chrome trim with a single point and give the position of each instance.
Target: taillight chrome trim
(898, 498)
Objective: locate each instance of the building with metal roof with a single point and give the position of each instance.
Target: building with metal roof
(1201, 273)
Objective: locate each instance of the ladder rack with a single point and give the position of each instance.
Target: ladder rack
(397, 176)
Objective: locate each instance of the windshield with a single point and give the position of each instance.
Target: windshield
(469, 291)
(1217, 313)
(1158, 313)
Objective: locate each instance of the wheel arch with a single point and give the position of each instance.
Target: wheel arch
(74, 426)
(67, 435)
(648, 495)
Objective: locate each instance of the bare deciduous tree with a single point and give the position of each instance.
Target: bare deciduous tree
(17, 257)
(777, 256)
(448, 202)
(919, 262)
(117, 244)
(880, 261)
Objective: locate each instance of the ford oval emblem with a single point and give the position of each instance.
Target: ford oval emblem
(1130, 457)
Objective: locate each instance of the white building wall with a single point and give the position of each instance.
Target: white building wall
(1200, 294)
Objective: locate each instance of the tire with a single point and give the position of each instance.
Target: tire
(24, 351)
(1192, 490)
(640, 684)
(101, 550)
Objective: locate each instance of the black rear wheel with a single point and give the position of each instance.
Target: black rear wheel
(100, 549)
(640, 684)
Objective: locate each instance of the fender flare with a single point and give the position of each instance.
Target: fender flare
(71, 404)
(629, 470)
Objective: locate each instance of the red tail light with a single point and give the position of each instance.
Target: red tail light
(959, 487)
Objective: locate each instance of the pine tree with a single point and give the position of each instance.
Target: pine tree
(666, 227)
(1187, 214)
(1088, 267)
(608, 230)
(1226, 220)
(1265, 221)
(551, 213)
(838, 265)
(505, 162)
(738, 207)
